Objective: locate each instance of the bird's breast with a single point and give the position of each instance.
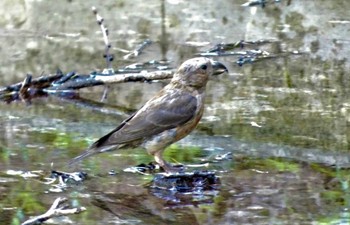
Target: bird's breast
(161, 141)
(184, 130)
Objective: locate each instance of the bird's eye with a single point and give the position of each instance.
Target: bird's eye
(204, 67)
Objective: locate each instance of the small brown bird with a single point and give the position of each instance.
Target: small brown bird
(167, 117)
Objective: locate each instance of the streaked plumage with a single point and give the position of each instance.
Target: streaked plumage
(167, 117)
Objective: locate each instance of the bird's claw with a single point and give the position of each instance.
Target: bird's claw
(173, 168)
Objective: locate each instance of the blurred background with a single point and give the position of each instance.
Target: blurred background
(284, 117)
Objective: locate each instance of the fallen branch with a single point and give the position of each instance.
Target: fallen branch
(100, 79)
(57, 209)
(69, 82)
(133, 77)
(39, 83)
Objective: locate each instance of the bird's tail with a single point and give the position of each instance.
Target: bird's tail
(89, 152)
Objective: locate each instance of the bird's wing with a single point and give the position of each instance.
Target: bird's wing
(157, 115)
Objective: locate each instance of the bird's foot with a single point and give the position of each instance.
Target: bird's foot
(169, 168)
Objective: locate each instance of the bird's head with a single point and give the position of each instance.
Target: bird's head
(195, 72)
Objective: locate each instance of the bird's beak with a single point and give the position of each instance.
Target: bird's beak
(218, 68)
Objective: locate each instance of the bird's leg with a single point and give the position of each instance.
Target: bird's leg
(165, 165)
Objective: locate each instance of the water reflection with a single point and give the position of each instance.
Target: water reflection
(285, 120)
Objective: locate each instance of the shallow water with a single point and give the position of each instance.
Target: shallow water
(284, 119)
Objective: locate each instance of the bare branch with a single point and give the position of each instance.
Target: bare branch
(100, 79)
(100, 20)
(70, 82)
(138, 50)
(57, 209)
(132, 77)
(40, 83)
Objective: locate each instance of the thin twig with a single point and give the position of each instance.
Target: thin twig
(23, 94)
(25, 84)
(57, 209)
(99, 19)
(138, 50)
(107, 55)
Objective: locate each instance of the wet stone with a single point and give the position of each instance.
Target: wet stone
(187, 182)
